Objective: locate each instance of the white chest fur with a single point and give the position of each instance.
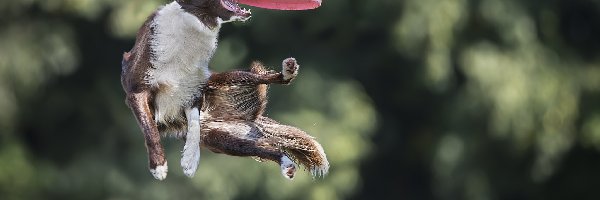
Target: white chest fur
(182, 47)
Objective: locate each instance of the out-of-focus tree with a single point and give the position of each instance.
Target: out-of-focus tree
(413, 99)
(517, 87)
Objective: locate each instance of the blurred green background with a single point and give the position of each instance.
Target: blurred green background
(411, 99)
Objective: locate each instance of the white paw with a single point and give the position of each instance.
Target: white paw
(289, 68)
(190, 159)
(191, 150)
(160, 172)
(288, 168)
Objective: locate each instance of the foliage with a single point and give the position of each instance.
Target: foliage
(413, 99)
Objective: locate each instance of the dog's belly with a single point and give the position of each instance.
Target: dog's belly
(173, 97)
(182, 47)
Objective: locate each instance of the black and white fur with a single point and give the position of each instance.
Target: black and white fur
(164, 72)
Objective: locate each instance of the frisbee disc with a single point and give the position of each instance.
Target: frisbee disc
(283, 4)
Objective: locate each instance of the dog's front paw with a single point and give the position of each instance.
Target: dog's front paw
(190, 159)
(191, 150)
(288, 168)
(160, 171)
(289, 69)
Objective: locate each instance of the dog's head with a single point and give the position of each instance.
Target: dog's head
(231, 11)
(211, 12)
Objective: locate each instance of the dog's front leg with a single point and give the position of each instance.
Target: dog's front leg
(139, 104)
(191, 150)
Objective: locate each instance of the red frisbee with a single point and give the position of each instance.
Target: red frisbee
(283, 4)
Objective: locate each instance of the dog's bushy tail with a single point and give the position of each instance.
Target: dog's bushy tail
(296, 144)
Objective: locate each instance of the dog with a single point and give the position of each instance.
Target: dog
(165, 71)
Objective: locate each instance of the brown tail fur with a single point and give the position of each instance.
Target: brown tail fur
(296, 144)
